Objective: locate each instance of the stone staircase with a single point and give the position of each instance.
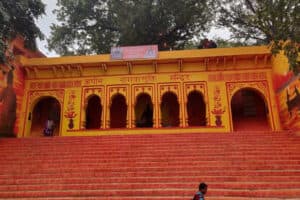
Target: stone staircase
(236, 166)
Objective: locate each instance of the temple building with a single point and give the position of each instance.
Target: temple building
(135, 90)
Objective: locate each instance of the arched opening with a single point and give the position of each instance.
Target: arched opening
(93, 113)
(169, 110)
(143, 110)
(46, 109)
(249, 111)
(196, 109)
(118, 111)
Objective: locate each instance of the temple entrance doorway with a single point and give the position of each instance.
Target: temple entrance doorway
(143, 110)
(46, 109)
(169, 110)
(249, 111)
(93, 113)
(118, 111)
(196, 109)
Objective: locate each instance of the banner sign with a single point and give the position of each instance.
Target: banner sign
(134, 52)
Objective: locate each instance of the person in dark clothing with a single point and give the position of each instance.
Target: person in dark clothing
(201, 193)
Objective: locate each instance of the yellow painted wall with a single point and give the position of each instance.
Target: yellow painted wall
(157, 81)
(178, 71)
(280, 64)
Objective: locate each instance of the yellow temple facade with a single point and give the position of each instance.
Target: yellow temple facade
(209, 90)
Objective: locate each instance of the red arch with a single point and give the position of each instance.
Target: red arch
(143, 111)
(196, 109)
(93, 113)
(249, 111)
(46, 108)
(169, 110)
(118, 111)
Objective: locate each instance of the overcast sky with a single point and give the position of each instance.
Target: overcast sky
(49, 18)
(44, 24)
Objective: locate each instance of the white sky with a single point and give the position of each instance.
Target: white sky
(44, 24)
(49, 18)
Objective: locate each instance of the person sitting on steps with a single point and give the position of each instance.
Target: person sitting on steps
(49, 129)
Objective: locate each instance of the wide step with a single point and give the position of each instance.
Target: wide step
(251, 165)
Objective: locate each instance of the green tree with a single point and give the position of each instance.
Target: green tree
(226, 43)
(275, 22)
(17, 18)
(93, 26)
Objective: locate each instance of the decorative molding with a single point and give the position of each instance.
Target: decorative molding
(117, 89)
(60, 84)
(237, 76)
(88, 91)
(139, 89)
(261, 86)
(70, 112)
(198, 86)
(33, 96)
(169, 87)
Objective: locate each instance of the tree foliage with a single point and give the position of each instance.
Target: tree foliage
(17, 18)
(93, 26)
(223, 43)
(275, 22)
